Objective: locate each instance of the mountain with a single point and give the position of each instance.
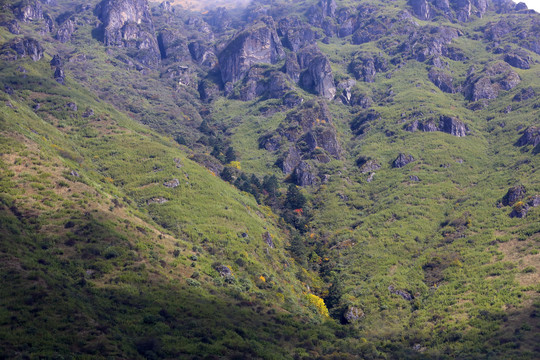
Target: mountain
(318, 179)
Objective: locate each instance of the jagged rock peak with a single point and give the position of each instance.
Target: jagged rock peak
(29, 10)
(128, 23)
(257, 44)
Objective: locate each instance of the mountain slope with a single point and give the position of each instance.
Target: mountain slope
(177, 184)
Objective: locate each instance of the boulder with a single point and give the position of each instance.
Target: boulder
(404, 294)
(452, 126)
(172, 183)
(519, 210)
(258, 44)
(59, 76)
(495, 77)
(369, 166)
(223, 270)
(402, 160)
(513, 195)
(291, 160)
(519, 60)
(531, 136)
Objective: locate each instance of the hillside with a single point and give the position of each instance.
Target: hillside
(319, 179)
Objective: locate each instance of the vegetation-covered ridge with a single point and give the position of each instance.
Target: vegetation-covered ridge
(318, 179)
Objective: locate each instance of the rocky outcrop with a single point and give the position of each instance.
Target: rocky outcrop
(22, 47)
(402, 160)
(303, 174)
(525, 94)
(292, 68)
(318, 75)
(360, 125)
(513, 195)
(421, 9)
(172, 183)
(65, 31)
(488, 83)
(128, 23)
(452, 126)
(259, 44)
(518, 59)
(431, 41)
(352, 315)
(344, 90)
(223, 270)
(295, 33)
(531, 136)
(317, 14)
(366, 65)
(13, 27)
(29, 10)
(202, 54)
(267, 238)
(173, 46)
(368, 166)
(442, 80)
(291, 160)
(446, 124)
(259, 81)
(59, 76)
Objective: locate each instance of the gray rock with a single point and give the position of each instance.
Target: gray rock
(267, 238)
(304, 174)
(291, 160)
(452, 126)
(157, 200)
(72, 106)
(370, 166)
(292, 68)
(525, 94)
(534, 201)
(518, 59)
(223, 270)
(531, 136)
(258, 44)
(128, 23)
(26, 47)
(421, 9)
(519, 210)
(29, 10)
(402, 160)
(88, 113)
(172, 183)
(65, 31)
(404, 294)
(514, 194)
(56, 61)
(203, 54)
(353, 314)
(13, 27)
(59, 76)
(414, 178)
(442, 80)
(370, 177)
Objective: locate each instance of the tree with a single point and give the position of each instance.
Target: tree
(295, 199)
(230, 155)
(270, 185)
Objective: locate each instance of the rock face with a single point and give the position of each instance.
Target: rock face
(519, 59)
(442, 80)
(26, 47)
(525, 94)
(514, 194)
(128, 23)
(447, 124)
(259, 81)
(295, 33)
(65, 31)
(421, 9)
(452, 126)
(258, 44)
(318, 75)
(203, 54)
(29, 10)
(303, 174)
(402, 160)
(366, 66)
(369, 166)
(173, 46)
(488, 83)
(531, 136)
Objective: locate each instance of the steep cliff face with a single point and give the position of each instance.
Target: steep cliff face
(259, 44)
(128, 23)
